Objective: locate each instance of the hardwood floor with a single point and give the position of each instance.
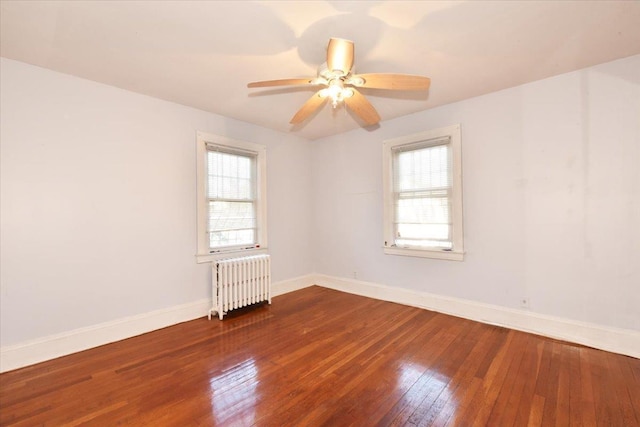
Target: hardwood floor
(318, 357)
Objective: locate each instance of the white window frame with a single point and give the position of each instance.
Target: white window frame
(203, 252)
(457, 252)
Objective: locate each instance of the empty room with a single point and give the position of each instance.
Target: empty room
(320, 213)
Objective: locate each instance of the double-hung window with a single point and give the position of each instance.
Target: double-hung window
(231, 196)
(423, 195)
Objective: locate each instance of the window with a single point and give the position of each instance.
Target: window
(231, 196)
(423, 195)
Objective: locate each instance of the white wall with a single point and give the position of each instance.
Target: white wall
(551, 199)
(98, 206)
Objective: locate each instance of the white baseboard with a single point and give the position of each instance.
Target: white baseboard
(46, 348)
(290, 285)
(622, 341)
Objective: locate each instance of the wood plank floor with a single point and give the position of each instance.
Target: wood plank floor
(317, 357)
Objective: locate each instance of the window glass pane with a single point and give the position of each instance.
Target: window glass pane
(423, 204)
(421, 210)
(219, 239)
(231, 223)
(423, 231)
(231, 215)
(231, 199)
(229, 188)
(423, 168)
(230, 176)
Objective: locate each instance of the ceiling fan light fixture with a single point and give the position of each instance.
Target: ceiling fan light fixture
(336, 92)
(336, 73)
(319, 81)
(355, 80)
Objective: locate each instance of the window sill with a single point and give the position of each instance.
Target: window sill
(204, 258)
(425, 253)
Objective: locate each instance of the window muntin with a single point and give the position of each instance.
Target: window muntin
(423, 200)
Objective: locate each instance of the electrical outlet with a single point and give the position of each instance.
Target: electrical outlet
(355, 274)
(524, 302)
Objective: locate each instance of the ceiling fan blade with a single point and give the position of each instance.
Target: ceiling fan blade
(362, 107)
(308, 108)
(340, 55)
(282, 82)
(393, 81)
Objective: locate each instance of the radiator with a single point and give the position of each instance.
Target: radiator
(239, 282)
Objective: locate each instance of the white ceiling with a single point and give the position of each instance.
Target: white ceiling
(203, 53)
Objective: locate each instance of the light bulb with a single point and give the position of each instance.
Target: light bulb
(335, 91)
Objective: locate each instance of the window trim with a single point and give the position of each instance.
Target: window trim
(453, 133)
(203, 253)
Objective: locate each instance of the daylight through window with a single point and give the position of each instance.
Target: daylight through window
(422, 196)
(423, 205)
(231, 196)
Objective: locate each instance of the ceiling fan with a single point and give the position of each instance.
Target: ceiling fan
(341, 84)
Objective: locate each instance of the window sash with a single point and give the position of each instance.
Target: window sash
(422, 190)
(231, 198)
(439, 234)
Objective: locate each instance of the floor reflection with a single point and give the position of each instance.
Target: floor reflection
(428, 386)
(234, 393)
